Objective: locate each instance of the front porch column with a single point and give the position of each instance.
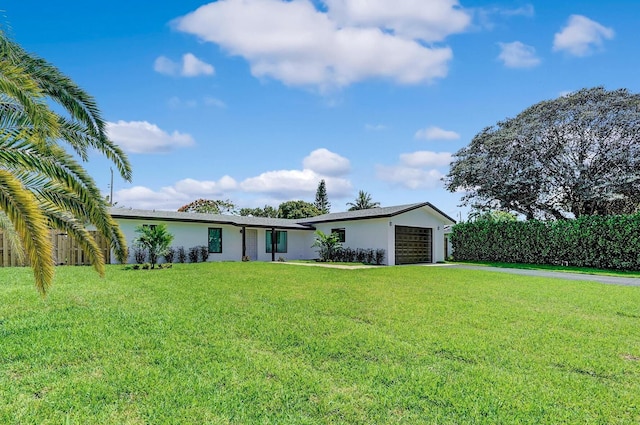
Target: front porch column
(244, 241)
(273, 244)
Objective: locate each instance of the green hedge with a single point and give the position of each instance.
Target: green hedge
(607, 242)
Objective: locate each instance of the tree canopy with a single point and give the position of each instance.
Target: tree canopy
(297, 209)
(322, 200)
(363, 202)
(210, 206)
(267, 211)
(573, 156)
(42, 186)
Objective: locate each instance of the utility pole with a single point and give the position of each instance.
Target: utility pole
(111, 187)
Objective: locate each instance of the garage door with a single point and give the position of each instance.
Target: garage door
(413, 245)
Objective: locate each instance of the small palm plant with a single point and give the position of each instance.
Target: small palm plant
(329, 245)
(156, 240)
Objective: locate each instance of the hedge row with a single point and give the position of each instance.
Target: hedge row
(607, 242)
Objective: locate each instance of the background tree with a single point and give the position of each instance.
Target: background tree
(155, 239)
(42, 186)
(363, 202)
(493, 216)
(267, 211)
(210, 206)
(573, 156)
(322, 201)
(297, 209)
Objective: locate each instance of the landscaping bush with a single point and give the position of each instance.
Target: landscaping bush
(194, 254)
(139, 255)
(182, 255)
(170, 255)
(379, 257)
(606, 242)
(204, 253)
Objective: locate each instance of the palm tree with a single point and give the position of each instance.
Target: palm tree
(363, 202)
(154, 239)
(42, 186)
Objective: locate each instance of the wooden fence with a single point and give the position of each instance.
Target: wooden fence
(66, 250)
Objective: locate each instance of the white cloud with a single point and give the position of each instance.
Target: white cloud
(518, 55)
(375, 127)
(426, 159)
(409, 177)
(144, 137)
(141, 197)
(581, 36)
(212, 101)
(292, 42)
(526, 10)
(436, 133)
(289, 184)
(327, 163)
(416, 170)
(271, 187)
(164, 65)
(206, 188)
(173, 197)
(407, 18)
(191, 66)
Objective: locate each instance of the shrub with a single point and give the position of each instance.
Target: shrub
(139, 255)
(379, 256)
(609, 242)
(194, 254)
(349, 255)
(360, 255)
(369, 256)
(170, 255)
(204, 253)
(182, 255)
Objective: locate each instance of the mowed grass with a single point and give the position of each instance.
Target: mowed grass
(243, 343)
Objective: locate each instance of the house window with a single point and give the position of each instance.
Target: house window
(215, 240)
(281, 241)
(341, 234)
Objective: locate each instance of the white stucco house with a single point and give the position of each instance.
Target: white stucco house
(412, 233)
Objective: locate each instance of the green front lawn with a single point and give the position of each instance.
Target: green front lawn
(267, 343)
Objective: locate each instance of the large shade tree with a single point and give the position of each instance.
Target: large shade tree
(573, 156)
(42, 185)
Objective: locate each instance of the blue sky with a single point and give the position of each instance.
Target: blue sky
(257, 100)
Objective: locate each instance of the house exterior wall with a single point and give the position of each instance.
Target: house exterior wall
(374, 233)
(380, 232)
(298, 245)
(370, 233)
(194, 234)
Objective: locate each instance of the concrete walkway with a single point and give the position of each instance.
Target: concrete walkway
(609, 280)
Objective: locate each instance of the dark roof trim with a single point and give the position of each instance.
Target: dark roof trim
(374, 216)
(292, 226)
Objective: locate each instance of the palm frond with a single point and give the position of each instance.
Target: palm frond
(23, 210)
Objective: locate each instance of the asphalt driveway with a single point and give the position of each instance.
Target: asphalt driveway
(609, 280)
